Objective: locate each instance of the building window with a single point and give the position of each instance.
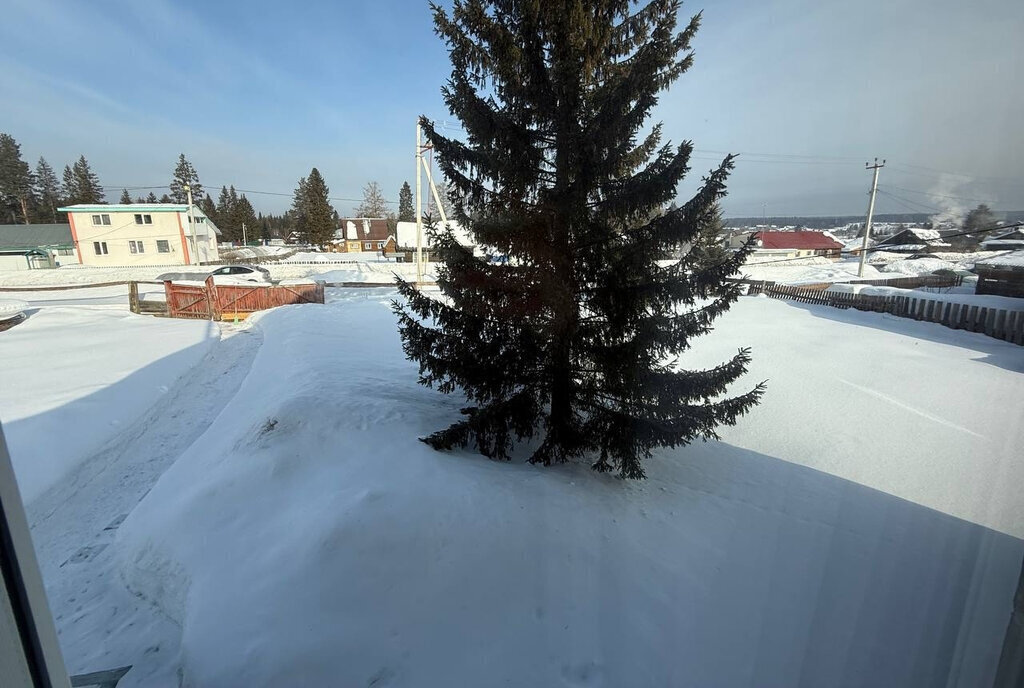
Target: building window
(143, 219)
(136, 247)
(198, 220)
(100, 247)
(163, 246)
(103, 219)
(65, 252)
(367, 245)
(380, 244)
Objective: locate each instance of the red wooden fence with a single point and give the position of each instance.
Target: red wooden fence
(211, 301)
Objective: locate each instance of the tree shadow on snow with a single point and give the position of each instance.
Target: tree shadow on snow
(995, 351)
(820, 581)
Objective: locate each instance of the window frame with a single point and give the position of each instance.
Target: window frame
(163, 246)
(100, 248)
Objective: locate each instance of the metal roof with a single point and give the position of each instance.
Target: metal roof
(34, 236)
(127, 208)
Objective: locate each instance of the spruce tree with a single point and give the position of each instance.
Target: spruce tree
(81, 185)
(209, 209)
(374, 204)
(151, 198)
(298, 211)
(406, 212)
(185, 175)
(244, 214)
(226, 214)
(166, 199)
(126, 198)
(48, 191)
(577, 339)
(16, 182)
(318, 215)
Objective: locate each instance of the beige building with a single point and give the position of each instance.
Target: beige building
(142, 234)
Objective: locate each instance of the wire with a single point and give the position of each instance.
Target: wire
(936, 195)
(905, 201)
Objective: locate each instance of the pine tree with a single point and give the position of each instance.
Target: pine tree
(81, 185)
(185, 175)
(373, 204)
(48, 191)
(406, 212)
(318, 224)
(126, 198)
(166, 199)
(151, 198)
(17, 192)
(578, 338)
(140, 199)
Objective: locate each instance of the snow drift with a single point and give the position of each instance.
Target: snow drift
(308, 538)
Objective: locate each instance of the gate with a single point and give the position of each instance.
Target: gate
(216, 302)
(189, 300)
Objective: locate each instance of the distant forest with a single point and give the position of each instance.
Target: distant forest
(826, 222)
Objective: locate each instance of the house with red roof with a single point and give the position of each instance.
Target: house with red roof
(797, 244)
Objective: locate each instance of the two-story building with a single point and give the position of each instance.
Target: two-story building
(142, 234)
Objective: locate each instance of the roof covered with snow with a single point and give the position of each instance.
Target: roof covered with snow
(1013, 259)
(914, 236)
(407, 234)
(363, 229)
(801, 239)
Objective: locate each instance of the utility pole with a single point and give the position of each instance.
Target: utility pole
(193, 259)
(871, 212)
(419, 214)
(244, 242)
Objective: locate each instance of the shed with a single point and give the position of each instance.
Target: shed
(1001, 275)
(25, 241)
(25, 259)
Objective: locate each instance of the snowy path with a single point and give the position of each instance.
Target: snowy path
(101, 625)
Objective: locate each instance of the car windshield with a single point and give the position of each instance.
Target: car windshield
(490, 343)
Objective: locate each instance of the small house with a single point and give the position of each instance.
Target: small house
(797, 244)
(364, 235)
(913, 240)
(853, 247)
(1007, 240)
(30, 247)
(1001, 275)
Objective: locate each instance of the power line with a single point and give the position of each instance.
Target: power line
(905, 201)
(937, 195)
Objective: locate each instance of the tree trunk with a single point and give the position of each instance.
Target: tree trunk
(24, 208)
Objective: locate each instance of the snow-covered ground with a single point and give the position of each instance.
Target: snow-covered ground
(860, 527)
(74, 378)
(325, 545)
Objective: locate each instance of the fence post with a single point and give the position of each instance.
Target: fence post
(133, 296)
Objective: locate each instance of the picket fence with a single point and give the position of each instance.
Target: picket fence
(999, 323)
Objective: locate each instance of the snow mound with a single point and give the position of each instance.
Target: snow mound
(308, 538)
(917, 266)
(11, 308)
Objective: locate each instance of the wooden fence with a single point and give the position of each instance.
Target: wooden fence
(209, 301)
(999, 323)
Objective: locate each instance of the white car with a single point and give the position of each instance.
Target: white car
(227, 274)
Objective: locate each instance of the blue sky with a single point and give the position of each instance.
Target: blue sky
(257, 93)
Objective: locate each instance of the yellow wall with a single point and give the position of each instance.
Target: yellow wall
(167, 226)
